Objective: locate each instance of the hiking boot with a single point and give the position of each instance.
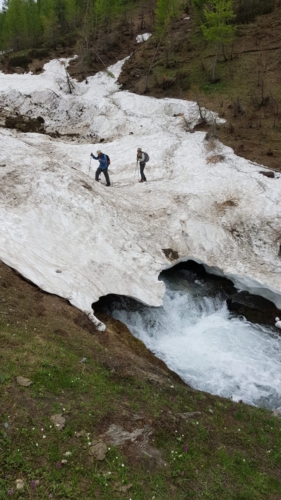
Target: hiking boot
(107, 184)
(141, 180)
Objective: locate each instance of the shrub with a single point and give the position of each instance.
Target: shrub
(20, 60)
(38, 53)
(183, 77)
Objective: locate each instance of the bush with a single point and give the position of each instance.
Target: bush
(38, 53)
(183, 77)
(68, 40)
(20, 60)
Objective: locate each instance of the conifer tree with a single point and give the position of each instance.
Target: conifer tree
(165, 11)
(15, 25)
(217, 28)
(34, 27)
(106, 11)
(50, 22)
(72, 13)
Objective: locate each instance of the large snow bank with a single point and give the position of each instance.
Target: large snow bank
(81, 240)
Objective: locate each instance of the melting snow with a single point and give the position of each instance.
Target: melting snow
(81, 240)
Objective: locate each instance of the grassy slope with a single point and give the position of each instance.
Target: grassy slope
(227, 451)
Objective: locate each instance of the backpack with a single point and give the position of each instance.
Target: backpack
(146, 157)
(108, 160)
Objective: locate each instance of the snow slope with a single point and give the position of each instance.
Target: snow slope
(78, 239)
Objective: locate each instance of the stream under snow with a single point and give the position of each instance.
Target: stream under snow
(209, 347)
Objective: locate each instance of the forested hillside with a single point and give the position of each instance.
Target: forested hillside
(95, 24)
(223, 54)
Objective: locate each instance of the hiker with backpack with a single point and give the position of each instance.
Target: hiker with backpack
(104, 162)
(142, 158)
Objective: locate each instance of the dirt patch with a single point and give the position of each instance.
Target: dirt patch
(25, 123)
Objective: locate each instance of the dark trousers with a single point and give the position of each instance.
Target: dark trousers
(105, 173)
(142, 167)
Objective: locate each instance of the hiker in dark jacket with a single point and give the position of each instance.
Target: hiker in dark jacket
(141, 159)
(102, 167)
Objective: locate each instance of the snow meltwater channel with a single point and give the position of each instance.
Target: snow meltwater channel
(210, 348)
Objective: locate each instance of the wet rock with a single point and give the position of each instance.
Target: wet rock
(221, 286)
(254, 308)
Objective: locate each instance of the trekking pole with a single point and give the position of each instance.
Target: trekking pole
(90, 165)
(136, 169)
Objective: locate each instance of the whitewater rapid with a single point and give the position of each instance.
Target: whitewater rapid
(210, 348)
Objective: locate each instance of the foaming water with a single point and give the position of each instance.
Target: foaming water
(209, 348)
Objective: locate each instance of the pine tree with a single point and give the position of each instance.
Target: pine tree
(50, 21)
(34, 27)
(2, 20)
(106, 11)
(217, 28)
(72, 13)
(15, 25)
(165, 11)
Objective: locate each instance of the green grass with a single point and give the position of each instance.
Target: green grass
(228, 451)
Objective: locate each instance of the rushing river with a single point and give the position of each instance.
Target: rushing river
(210, 348)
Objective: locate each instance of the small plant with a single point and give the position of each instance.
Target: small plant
(66, 83)
(237, 107)
(223, 206)
(183, 77)
(215, 159)
(38, 53)
(212, 133)
(202, 111)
